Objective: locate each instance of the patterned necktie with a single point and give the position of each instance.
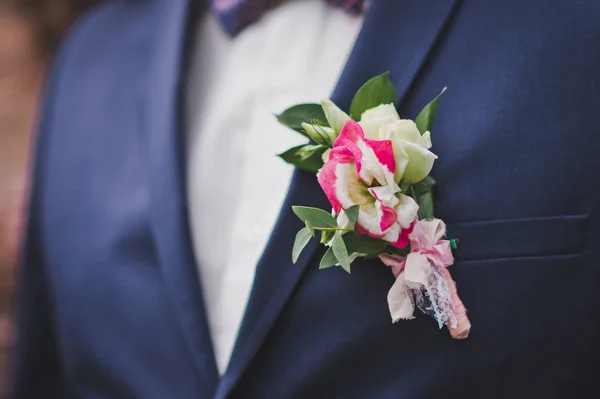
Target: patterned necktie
(235, 15)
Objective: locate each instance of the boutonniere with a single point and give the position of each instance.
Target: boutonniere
(374, 168)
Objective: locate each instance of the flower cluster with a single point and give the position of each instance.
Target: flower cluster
(374, 168)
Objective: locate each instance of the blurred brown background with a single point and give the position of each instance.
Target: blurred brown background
(30, 30)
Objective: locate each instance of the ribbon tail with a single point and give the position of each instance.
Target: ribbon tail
(400, 301)
(463, 326)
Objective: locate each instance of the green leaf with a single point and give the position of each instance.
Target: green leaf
(302, 238)
(308, 157)
(352, 215)
(326, 236)
(339, 250)
(378, 90)
(310, 227)
(426, 206)
(356, 243)
(398, 251)
(295, 115)
(319, 218)
(426, 184)
(423, 194)
(352, 243)
(426, 117)
(328, 260)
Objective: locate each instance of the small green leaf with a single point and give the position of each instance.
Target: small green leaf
(426, 117)
(423, 194)
(302, 238)
(424, 185)
(361, 244)
(426, 206)
(376, 91)
(319, 218)
(328, 260)
(295, 115)
(326, 236)
(352, 215)
(308, 157)
(310, 227)
(398, 251)
(339, 250)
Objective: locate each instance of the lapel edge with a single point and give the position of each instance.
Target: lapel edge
(168, 216)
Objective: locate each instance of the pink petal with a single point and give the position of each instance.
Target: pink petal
(384, 151)
(327, 179)
(388, 217)
(361, 230)
(387, 213)
(377, 155)
(403, 239)
(341, 154)
(350, 138)
(352, 132)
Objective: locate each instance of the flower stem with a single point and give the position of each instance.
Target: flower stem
(331, 229)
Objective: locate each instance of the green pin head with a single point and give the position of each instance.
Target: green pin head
(454, 243)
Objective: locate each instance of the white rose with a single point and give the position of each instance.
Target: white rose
(372, 120)
(411, 149)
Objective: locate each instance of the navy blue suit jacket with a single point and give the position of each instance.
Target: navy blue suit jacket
(109, 302)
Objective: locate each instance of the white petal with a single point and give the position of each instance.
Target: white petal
(406, 129)
(373, 127)
(392, 234)
(349, 189)
(374, 120)
(401, 158)
(380, 111)
(420, 162)
(425, 140)
(406, 210)
(386, 194)
(370, 165)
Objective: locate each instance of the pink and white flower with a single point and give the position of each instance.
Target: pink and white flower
(360, 171)
(414, 160)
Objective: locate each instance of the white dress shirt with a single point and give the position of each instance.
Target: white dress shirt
(236, 183)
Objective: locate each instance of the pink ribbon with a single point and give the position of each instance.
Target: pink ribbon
(413, 274)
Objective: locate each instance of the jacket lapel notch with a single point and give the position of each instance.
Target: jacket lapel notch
(169, 221)
(397, 36)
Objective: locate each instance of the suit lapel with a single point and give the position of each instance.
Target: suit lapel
(396, 36)
(169, 218)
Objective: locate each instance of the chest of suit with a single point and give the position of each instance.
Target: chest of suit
(517, 156)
